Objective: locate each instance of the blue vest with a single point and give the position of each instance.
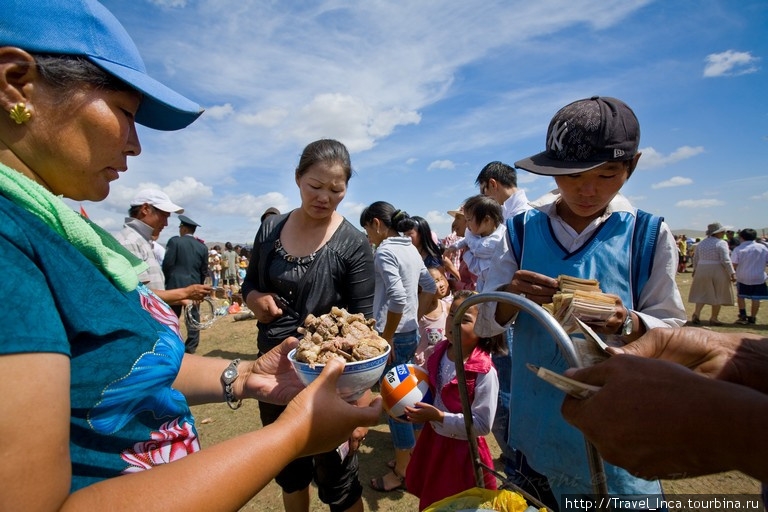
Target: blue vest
(620, 256)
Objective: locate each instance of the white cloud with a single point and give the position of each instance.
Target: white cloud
(676, 181)
(411, 161)
(635, 199)
(219, 112)
(266, 118)
(250, 206)
(730, 63)
(187, 189)
(352, 211)
(108, 223)
(438, 217)
(350, 119)
(699, 203)
(183, 192)
(527, 177)
(441, 164)
(760, 197)
(652, 159)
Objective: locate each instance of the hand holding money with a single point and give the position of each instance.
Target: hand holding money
(570, 386)
(583, 298)
(537, 287)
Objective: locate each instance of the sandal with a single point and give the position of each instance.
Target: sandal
(391, 464)
(695, 320)
(715, 322)
(377, 484)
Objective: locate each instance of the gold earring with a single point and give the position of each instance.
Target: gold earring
(20, 113)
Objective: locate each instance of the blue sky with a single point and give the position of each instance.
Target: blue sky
(425, 93)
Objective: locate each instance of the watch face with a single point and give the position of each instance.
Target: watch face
(230, 374)
(628, 327)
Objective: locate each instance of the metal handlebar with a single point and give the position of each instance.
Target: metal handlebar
(599, 484)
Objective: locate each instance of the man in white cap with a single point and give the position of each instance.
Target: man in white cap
(147, 216)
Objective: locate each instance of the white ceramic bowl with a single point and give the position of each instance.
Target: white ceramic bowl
(357, 378)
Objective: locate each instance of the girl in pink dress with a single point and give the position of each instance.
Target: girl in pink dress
(441, 464)
(432, 323)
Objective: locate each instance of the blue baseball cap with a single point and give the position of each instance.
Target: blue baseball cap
(87, 28)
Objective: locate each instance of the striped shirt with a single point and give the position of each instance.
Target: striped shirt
(137, 238)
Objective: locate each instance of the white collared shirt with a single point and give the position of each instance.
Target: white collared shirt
(516, 203)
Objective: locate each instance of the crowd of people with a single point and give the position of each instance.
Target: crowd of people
(111, 417)
(724, 258)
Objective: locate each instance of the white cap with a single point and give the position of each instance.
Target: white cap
(156, 198)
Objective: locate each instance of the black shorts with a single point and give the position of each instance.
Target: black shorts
(752, 291)
(337, 482)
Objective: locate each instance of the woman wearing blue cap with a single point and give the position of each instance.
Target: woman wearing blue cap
(96, 386)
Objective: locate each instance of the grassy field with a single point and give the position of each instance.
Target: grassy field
(230, 339)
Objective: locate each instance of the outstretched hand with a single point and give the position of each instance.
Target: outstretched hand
(272, 378)
(319, 419)
(659, 419)
(703, 351)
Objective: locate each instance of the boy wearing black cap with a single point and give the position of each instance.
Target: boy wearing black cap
(586, 229)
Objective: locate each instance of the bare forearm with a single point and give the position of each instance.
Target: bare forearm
(748, 414)
(393, 320)
(224, 477)
(199, 379)
(172, 297)
(427, 303)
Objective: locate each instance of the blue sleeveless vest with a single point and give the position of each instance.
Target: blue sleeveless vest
(620, 256)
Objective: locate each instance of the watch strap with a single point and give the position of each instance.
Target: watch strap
(228, 377)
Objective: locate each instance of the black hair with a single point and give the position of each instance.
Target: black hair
(62, 71)
(479, 207)
(425, 235)
(133, 211)
(228, 246)
(748, 234)
(499, 171)
(392, 218)
(325, 151)
(493, 345)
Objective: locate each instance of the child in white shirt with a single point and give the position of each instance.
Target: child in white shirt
(485, 229)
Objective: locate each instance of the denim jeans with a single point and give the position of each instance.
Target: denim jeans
(405, 344)
(500, 429)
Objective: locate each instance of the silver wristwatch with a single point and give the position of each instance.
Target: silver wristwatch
(228, 377)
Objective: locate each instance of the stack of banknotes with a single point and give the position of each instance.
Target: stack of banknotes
(580, 298)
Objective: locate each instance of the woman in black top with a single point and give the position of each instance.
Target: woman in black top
(308, 261)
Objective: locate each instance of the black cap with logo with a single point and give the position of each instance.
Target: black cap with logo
(586, 134)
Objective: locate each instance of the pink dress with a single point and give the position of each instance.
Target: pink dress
(431, 332)
(442, 466)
